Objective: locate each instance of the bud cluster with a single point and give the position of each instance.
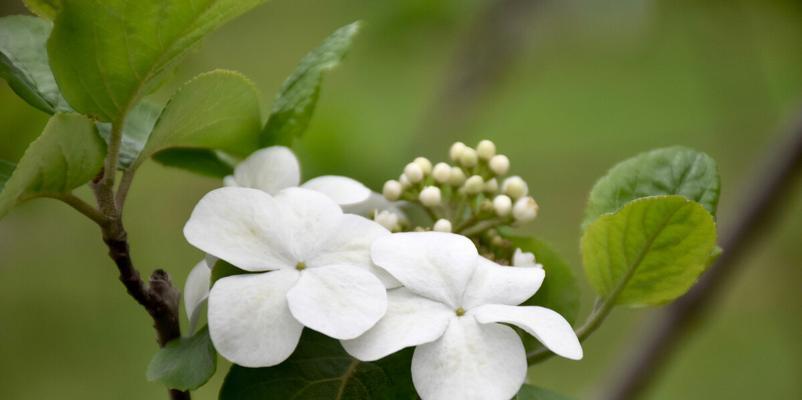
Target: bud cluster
(469, 196)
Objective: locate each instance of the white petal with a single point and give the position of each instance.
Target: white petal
(411, 320)
(495, 284)
(242, 226)
(308, 220)
(339, 301)
(350, 243)
(435, 265)
(547, 326)
(524, 259)
(375, 202)
(196, 291)
(249, 320)
(270, 170)
(343, 190)
(470, 362)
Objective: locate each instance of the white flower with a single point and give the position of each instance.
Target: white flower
(452, 308)
(314, 264)
(387, 219)
(524, 259)
(275, 168)
(196, 290)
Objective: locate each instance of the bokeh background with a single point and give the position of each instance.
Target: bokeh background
(565, 88)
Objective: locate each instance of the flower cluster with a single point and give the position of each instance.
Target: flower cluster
(311, 262)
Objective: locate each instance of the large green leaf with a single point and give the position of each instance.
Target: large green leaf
(529, 392)
(650, 252)
(44, 8)
(185, 363)
(321, 369)
(68, 154)
(6, 169)
(107, 54)
(211, 163)
(137, 128)
(295, 102)
(217, 110)
(673, 170)
(24, 64)
(560, 290)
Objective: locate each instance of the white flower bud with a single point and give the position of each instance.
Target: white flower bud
(413, 172)
(500, 164)
(441, 172)
(502, 204)
(404, 181)
(456, 177)
(491, 186)
(523, 259)
(515, 187)
(486, 149)
(392, 190)
(387, 219)
(430, 196)
(456, 150)
(525, 209)
(474, 185)
(442, 225)
(424, 164)
(468, 158)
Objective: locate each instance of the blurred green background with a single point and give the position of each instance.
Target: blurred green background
(565, 88)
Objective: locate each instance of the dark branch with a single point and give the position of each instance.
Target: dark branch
(769, 192)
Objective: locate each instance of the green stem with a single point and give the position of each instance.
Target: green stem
(82, 207)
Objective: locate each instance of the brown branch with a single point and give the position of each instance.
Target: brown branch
(761, 210)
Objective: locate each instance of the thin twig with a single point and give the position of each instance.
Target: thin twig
(769, 191)
(82, 207)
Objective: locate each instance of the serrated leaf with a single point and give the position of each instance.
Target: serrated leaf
(107, 54)
(68, 154)
(185, 363)
(137, 128)
(216, 110)
(668, 171)
(205, 162)
(295, 102)
(529, 392)
(43, 8)
(321, 369)
(650, 252)
(24, 63)
(560, 290)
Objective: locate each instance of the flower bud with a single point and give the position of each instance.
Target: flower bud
(424, 164)
(456, 177)
(387, 219)
(474, 185)
(404, 181)
(441, 172)
(392, 190)
(499, 164)
(491, 186)
(442, 225)
(456, 150)
(525, 209)
(413, 172)
(515, 187)
(430, 196)
(468, 158)
(502, 204)
(486, 149)
(524, 259)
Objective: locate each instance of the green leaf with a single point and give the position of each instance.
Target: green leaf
(321, 369)
(216, 110)
(185, 363)
(68, 154)
(560, 290)
(137, 128)
(44, 8)
(24, 64)
(650, 252)
(668, 171)
(107, 54)
(529, 392)
(223, 269)
(6, 169)
(295, 102)
(205, 162)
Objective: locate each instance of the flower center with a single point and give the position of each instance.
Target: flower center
(459, 311)
(300, 266)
